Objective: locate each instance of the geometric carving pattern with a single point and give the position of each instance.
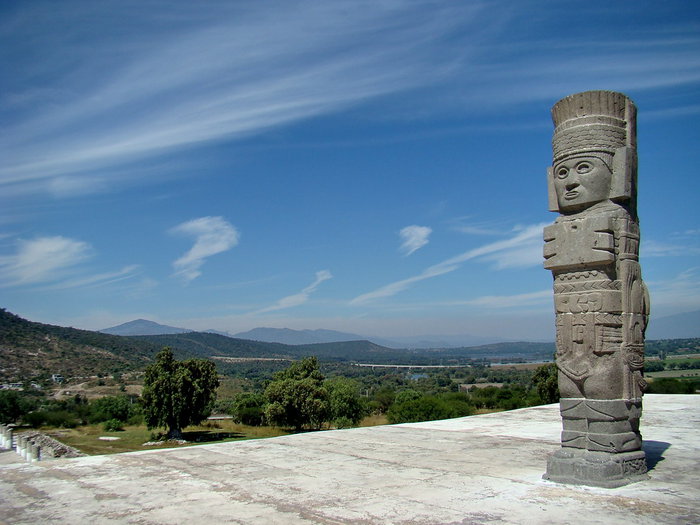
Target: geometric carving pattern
(575, 276)
(600, 300)
(583, 286)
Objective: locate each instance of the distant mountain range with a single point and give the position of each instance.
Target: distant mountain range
(288, 336)
(31, 350)
(143, 327)
(679, 326)
(306, 337)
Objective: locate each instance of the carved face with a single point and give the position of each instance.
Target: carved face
(581, 182)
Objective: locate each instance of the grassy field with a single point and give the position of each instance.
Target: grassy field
(673, 373)
(87, 438)
(90, 439)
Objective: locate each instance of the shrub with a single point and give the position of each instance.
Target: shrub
(10, 406)
(249, 408)
(121, 408)
(545, 381)
(428, 408)
(668, 385)
(34, 419)
(51, 418)
(112, 425)
(297, 396)
(346, 405)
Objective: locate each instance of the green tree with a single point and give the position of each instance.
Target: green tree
(249, 408)
(297, 397)
(546, 383)
(424, 408)
(120, 408)
(384, 398)
(670, 385)
(411, 406)
(346, 406)
(178, 393)
(654, 366)
(10, 406)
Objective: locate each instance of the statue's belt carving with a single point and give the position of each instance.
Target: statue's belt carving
(596, 301)
(585, 286)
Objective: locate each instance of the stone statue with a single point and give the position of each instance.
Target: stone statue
(600, 301)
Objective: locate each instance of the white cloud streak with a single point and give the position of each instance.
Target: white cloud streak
(122, 81)
(680, 293)
(224, 73)
(516, 251)
(52, 263)
(42, 259)
(102, 279)
(299, 298)
(652, 248)
(414, 237)
(212, 235)
(512, 301)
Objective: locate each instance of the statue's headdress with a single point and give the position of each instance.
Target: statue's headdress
(603, 123)
(593, 121)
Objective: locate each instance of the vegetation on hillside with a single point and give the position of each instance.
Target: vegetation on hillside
(273, 384)
(35, 351)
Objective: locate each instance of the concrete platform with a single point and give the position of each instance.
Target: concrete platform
(480, 469)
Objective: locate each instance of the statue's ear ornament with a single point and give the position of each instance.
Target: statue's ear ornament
(624, 171)
(553, 201)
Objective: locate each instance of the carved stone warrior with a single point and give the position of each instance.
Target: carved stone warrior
(600, 300)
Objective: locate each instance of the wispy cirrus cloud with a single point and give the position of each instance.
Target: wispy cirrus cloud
(466, 225)
(413, 238)
(101, 279)
(42, 259)
(121, 82)
(55, 263)
(678, 244)
(515, 251)
(299, 298)
(202, 75)
(679, 293)
(212, 235)
(512, 301)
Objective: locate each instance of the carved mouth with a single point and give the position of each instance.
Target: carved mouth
(571, 194)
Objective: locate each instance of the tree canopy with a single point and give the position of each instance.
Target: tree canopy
(346, 407)
(545, 381)
(178, 393)
(297, 396)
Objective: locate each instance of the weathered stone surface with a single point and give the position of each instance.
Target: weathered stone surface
(600, 300)
(478, 469)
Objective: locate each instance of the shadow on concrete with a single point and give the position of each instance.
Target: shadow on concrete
(654, 451)
(205, 436)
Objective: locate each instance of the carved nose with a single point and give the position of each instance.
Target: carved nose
(571, 185)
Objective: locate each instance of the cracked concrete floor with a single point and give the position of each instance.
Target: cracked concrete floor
(480, 469)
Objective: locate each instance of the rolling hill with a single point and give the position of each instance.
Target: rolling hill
(35, 350)
(32, 350)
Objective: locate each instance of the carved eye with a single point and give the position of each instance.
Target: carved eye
(584, 167)
(562, 172)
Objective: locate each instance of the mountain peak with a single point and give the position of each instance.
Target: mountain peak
(143, 327)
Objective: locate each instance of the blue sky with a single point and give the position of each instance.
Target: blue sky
(375, 167)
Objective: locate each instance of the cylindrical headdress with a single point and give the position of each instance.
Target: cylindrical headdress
(603, 124)
(601, 121)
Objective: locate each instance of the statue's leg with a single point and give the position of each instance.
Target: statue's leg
(572, 407)
(613, 425)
